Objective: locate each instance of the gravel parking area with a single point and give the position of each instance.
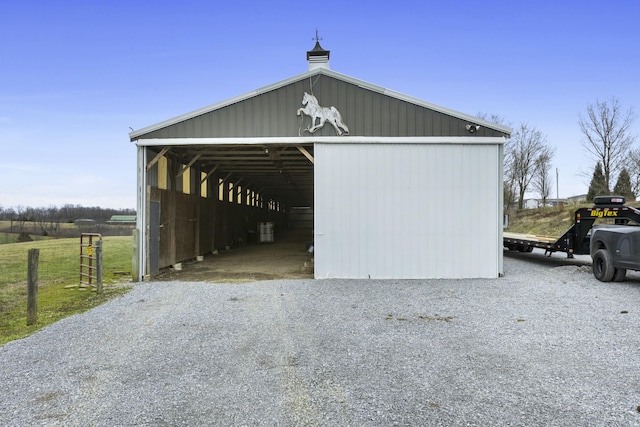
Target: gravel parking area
(545, 345)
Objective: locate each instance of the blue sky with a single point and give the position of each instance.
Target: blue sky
(75, 75)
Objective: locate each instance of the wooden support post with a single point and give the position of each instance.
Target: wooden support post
(32, 287)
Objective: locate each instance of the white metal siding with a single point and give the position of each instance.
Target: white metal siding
(408, 210)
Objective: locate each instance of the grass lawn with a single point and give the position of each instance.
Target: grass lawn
(59, 267)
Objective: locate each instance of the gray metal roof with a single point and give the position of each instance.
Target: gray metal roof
(137, 134)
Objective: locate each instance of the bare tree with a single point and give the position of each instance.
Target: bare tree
(509, 194)
(54, 218)
(633, 166)
(21, 217)
(607, 131)
(509, 187)
(542, 181)
(524, 148)
(493, 118)
(40, 218)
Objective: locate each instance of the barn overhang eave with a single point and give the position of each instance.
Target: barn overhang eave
(157, 142)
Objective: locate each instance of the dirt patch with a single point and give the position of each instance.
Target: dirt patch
(286, 258)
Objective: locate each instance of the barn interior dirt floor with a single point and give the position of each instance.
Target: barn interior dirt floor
(284, 258)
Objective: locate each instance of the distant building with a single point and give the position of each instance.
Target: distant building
(122, 220)
(574, 200)
(538, 203)
(84, 222)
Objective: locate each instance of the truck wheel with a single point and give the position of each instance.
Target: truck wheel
(620, 275)
(603, 266)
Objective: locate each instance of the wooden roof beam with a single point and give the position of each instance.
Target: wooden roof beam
(225, 178)
(195, 159)
(305, 153)
(156, 159)
(209, 173)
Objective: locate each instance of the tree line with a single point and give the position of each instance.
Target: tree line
(48, 220)
(606, 128)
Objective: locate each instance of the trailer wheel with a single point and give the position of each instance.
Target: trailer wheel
(603, 266)
(619, 274)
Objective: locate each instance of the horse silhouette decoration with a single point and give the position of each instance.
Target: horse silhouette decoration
(324, 114)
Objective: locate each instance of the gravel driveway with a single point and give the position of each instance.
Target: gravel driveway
(545, 345)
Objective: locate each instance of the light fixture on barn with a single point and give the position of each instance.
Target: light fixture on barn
(472, 128)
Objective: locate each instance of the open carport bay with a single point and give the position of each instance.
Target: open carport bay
(191, 213)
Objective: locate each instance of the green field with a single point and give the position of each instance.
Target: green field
(31, 227)
(6, 237)
(10, 230)
(59, 266)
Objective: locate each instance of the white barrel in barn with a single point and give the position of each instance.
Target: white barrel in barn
(265, 232)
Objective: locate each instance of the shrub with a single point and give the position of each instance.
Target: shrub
(24, 237)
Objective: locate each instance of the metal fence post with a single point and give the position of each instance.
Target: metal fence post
(89, 262)
(135, 261)
(32, 287)
(99, 266)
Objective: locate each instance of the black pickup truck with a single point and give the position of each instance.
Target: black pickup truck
(614, 250)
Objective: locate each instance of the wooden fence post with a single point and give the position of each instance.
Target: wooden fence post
(32, 287)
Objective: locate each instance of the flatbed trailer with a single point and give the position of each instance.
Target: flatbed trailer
(577, 238)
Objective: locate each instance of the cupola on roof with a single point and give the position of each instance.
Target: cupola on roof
(318, 57)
